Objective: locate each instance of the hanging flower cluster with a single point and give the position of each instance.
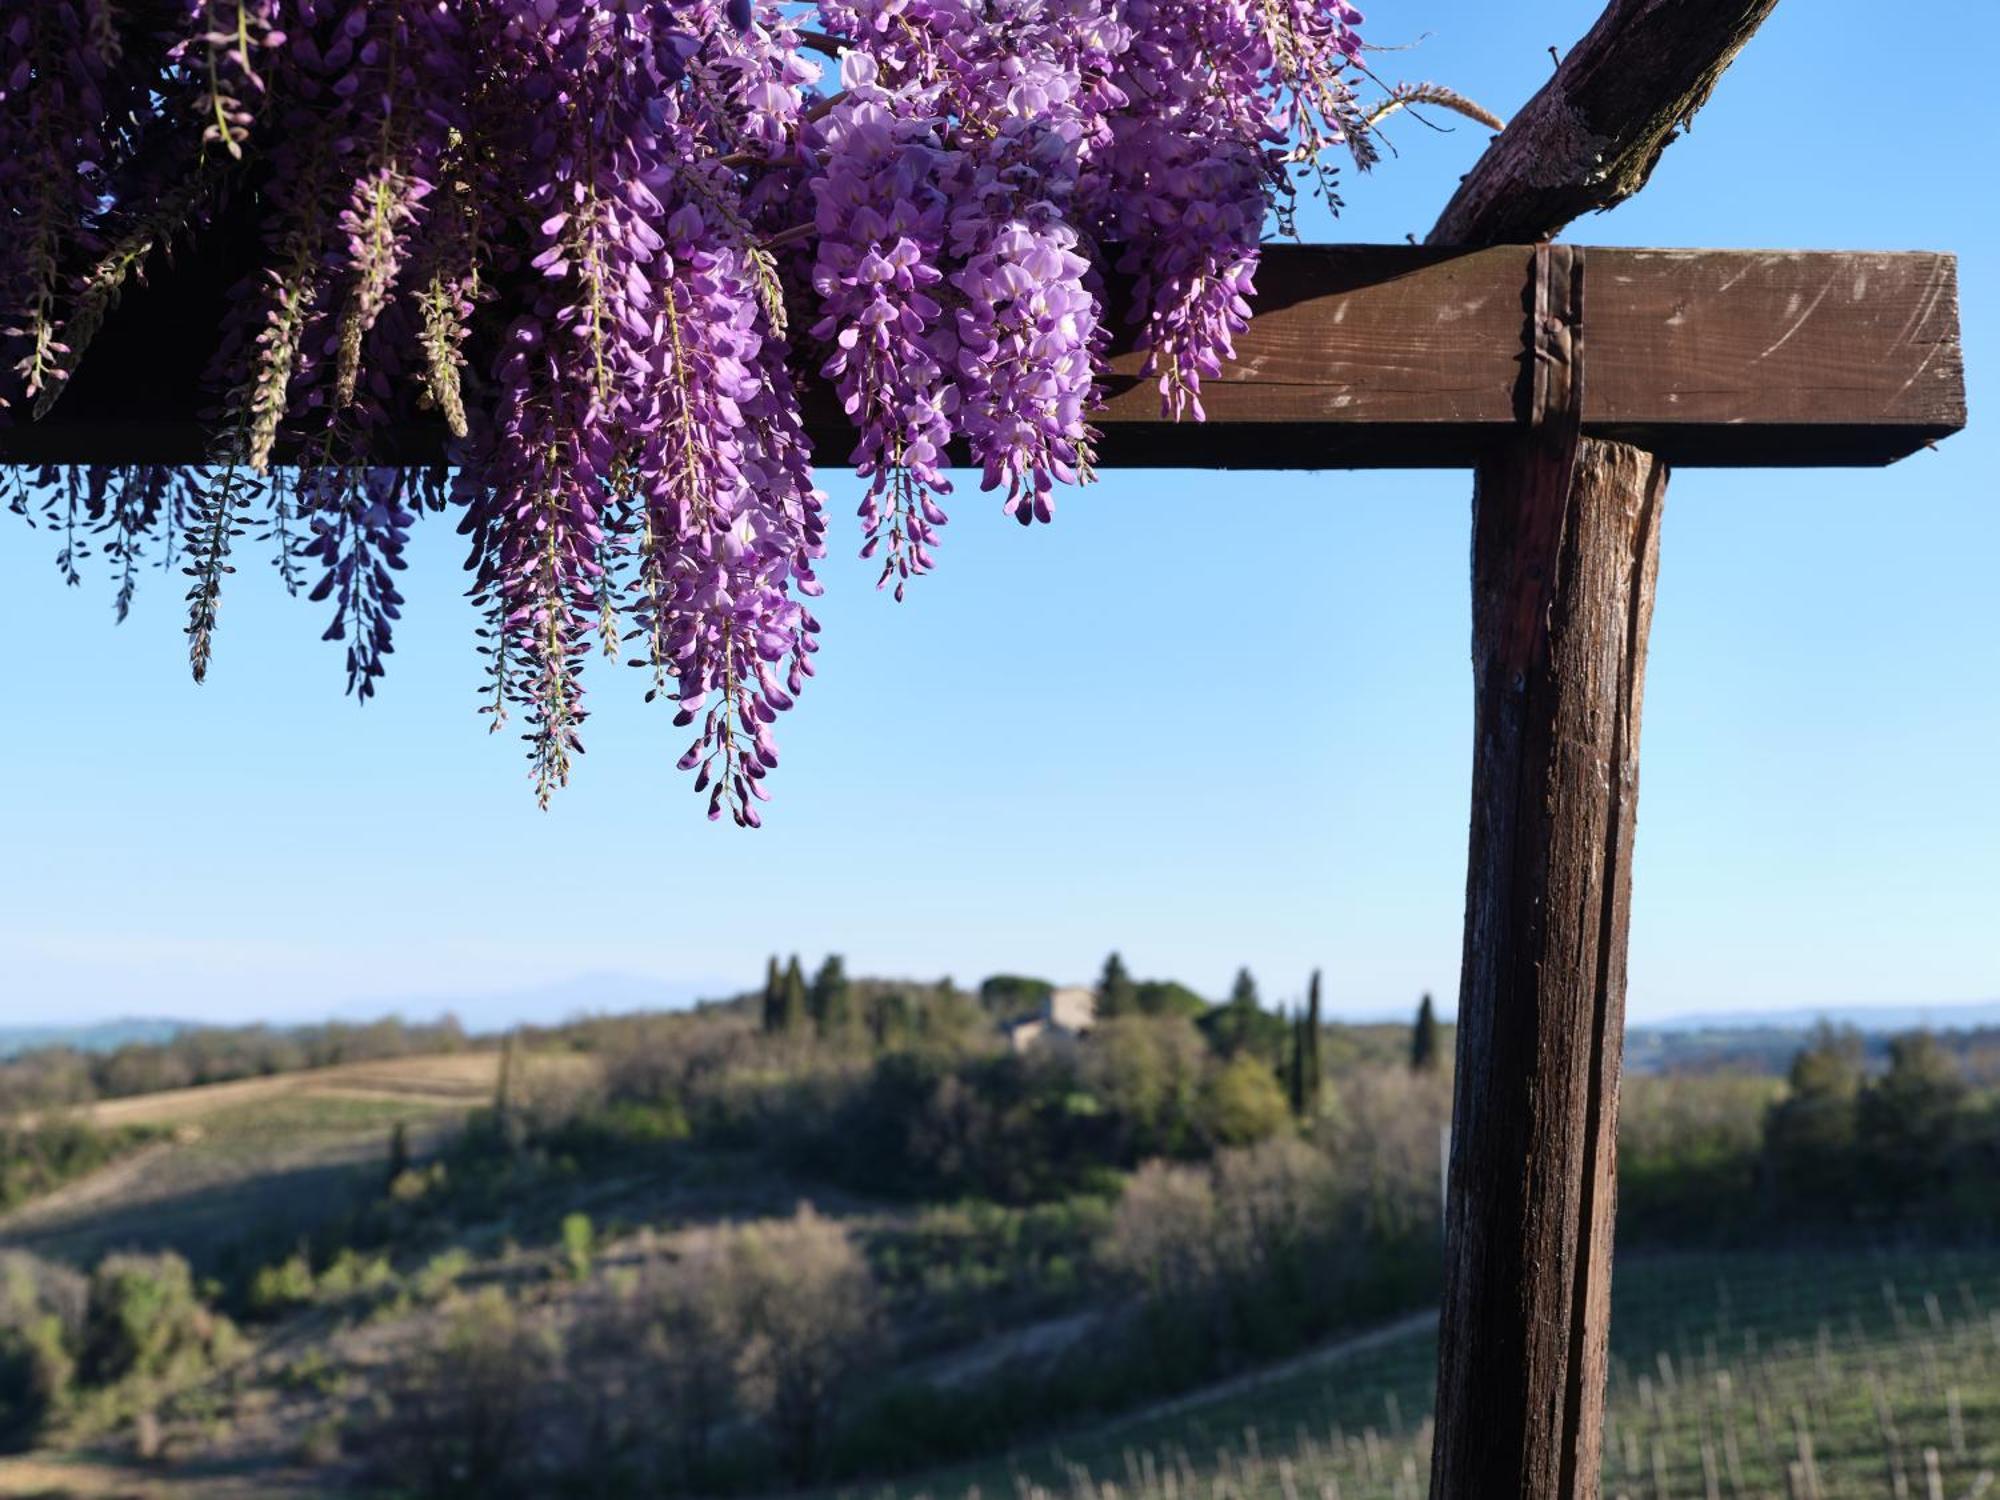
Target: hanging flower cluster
(605, 243)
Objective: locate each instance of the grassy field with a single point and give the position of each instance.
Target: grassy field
(1830, 1375)
(463, 1077)
(278, 1151)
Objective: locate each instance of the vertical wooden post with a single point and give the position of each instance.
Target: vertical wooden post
(1566, 546)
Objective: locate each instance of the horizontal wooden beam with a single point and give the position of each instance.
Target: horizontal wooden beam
(1360, 356)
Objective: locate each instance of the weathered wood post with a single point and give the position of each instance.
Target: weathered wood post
(1565, 552)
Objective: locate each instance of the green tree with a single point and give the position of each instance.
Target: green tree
(1424, 1037)
(1241, 1024)
(1907, 1122)
(1116, 994)
(1243, 993)
(1315, 1085)
(1809, 1135)
(793, 1003)
(1241, 1102)
(1146, 1072)
(774, 996)
(1007, 995)
(1295, 1063)
(1168, 997)
(832, 999)
(891, 1019)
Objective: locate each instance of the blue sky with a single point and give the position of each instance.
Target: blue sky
(1206, 720)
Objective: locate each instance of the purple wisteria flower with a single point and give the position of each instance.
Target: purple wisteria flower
(606, 245)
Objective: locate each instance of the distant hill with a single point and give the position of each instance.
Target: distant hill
(481, 1013)
(1969, 1016)
(96, 1036)
(1766, 1041)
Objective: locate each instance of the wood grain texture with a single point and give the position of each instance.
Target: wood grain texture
(1592, 135)
(1564, 565)
(1805, 346)
(1359, 356)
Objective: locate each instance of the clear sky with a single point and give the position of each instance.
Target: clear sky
(1207, 720)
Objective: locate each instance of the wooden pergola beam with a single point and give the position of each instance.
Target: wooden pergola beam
(1593, 133)
(1359, 356)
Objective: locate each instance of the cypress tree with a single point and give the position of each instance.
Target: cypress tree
(1315, 1079)
(1424, 1038)
(774, 996)
(792, 1000)
(1233, 1027)
(1243, 994)
(1295, 1063)
(832, 999)
(1116, 995)
(503, 1087)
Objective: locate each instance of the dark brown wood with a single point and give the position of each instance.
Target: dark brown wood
(1359, 356)
(1566, 537)
(1565, 553)
(1593, 134)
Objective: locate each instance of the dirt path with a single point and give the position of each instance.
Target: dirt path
(107, 1182)
(56, 1476)
(1029, 1341)
(1312, 1359)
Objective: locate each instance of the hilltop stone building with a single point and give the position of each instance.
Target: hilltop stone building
(1067, 1012)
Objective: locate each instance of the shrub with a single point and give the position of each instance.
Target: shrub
(281, 1287)
(810, 1320)
(41, 1309)
(461, 1423)
(692, 1314)
(439, 1275)
(143, 1322)
(352, 1273)
(579, 1245)
(1162, 1234)
(1689, 1148)
(1382, 1131)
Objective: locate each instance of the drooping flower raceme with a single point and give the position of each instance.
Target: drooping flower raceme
(604, 248)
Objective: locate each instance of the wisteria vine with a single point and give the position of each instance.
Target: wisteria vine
(606, 244)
